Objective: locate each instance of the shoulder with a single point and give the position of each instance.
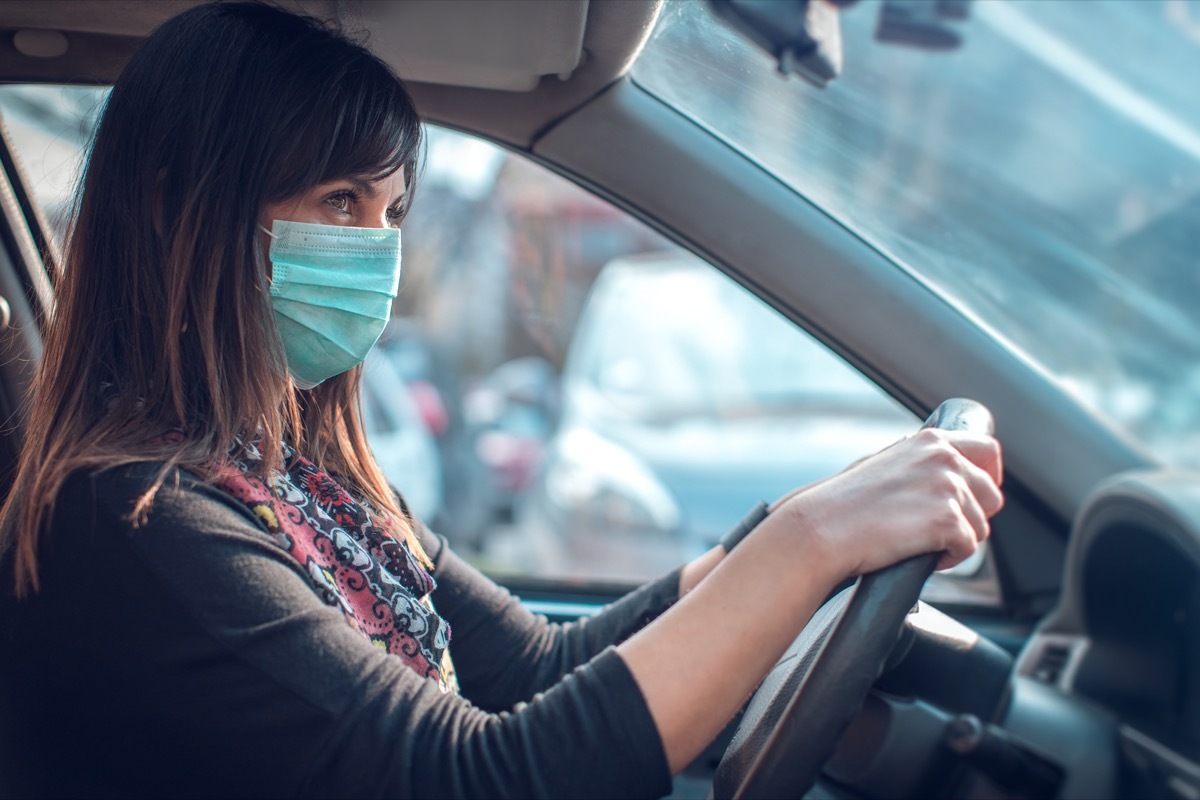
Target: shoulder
(193, 540)
(109, 497)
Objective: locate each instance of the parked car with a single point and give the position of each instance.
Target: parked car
(686, 400)
(1011, 218)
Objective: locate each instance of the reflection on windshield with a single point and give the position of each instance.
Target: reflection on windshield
(1048, 189)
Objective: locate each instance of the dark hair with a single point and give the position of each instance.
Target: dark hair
(163, 297)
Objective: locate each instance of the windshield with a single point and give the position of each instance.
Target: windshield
(1044, 177)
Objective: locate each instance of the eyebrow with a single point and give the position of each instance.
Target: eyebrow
(369, 190)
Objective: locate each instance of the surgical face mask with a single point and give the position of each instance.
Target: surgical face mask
(331, 290)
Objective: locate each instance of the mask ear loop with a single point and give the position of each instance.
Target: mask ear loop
(270, 271)
(270, 268)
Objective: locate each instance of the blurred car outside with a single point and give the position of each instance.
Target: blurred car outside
(400, 438)
(685, 401)
(511, 414)
(434, 387)
(499, 257)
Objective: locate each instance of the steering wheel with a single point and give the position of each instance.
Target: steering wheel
(800, 711)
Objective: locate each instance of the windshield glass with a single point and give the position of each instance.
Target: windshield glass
(1048, 189)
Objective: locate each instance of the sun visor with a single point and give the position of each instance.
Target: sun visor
(475, 43)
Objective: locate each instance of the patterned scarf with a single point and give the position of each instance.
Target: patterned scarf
(354, 565)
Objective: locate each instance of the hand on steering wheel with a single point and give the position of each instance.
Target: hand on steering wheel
(796, 718)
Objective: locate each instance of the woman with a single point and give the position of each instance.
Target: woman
(214, 591)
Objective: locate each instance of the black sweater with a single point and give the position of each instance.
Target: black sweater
(191, 656)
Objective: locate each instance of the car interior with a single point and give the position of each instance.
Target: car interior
(1079, 681)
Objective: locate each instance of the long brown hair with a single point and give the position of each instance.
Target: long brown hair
(162, 317)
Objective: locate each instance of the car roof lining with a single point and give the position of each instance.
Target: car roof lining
(475, 43)
(554, 56)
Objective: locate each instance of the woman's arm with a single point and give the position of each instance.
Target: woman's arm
(503, 653)
(205, 644)
(698, 569)
(933, 492)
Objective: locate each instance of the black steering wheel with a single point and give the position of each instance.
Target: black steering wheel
(797, 716)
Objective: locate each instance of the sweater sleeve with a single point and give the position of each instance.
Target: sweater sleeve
(503, 653)
(226, 674)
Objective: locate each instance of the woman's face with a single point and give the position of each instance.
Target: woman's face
(350, 202)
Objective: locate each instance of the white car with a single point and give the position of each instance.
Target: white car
(685, 401)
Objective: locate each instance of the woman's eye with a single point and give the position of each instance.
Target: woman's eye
(340, 202)
(395, 215)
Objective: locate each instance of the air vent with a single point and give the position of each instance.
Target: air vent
(1054, 658)
(1051, 663)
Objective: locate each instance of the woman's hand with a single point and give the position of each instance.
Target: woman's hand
(856, 506)
(698, 662)
(931, 492)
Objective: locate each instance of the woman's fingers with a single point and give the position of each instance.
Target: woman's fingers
(964, 548)
(973, 470)
(975, 458)
(984, 489)
(967, 531)
(933, 492)
(974, 513)
(981, 450)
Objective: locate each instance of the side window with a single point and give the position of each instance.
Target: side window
(563, 392)
(614, 404)
(49, 127)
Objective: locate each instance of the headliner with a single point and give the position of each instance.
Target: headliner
(506, 68)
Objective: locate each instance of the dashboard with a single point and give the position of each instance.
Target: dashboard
(1109, 686)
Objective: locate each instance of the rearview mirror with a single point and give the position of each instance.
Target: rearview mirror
(804, 36)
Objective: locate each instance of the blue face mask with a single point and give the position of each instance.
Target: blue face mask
(331, 289)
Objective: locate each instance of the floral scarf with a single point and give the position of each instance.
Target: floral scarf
(353, 564)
